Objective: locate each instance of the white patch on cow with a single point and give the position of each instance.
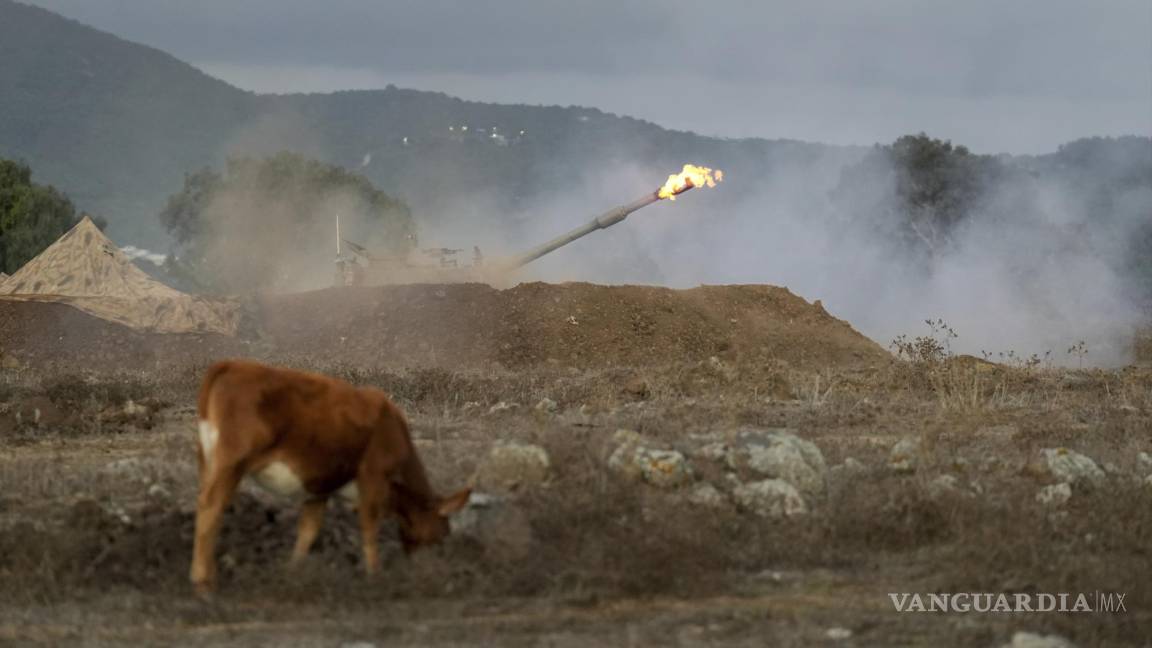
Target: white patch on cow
(208, 436)
(350, 492)
(278, 478)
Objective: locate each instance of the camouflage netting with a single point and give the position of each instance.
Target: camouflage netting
(86, 270)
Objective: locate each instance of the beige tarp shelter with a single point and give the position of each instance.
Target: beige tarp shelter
(86, 270)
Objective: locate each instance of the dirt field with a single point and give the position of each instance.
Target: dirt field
(97, 479)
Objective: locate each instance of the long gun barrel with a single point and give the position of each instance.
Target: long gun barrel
(607, 219)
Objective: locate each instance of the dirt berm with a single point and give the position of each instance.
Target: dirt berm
(471, 325)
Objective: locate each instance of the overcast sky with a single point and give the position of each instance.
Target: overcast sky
(1018, 76)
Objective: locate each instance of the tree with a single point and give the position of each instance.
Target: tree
(269, 223)
(920, 188)
(32, 216)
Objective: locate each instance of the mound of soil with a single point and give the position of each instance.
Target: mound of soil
(58, 336)
(572, 324)
(472, 325)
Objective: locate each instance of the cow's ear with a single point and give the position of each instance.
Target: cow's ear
(454, 503)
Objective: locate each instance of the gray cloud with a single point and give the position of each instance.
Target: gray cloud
(1018, 77)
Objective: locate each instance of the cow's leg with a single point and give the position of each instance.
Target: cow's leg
(215, 493)
(201, 467)
(374, 496)
(311, 518)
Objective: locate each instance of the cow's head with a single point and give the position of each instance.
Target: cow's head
(423, 520)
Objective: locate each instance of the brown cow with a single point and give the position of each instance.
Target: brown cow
(309, 436)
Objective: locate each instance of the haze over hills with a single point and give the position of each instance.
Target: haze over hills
(1057, 244)
(117, 125)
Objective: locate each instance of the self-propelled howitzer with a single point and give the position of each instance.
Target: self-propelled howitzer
(443, 268)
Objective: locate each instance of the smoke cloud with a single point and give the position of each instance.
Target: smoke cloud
(255, 240)
(1037, 269)
(136, 253)
(1041, 264)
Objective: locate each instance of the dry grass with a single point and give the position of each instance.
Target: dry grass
(593, 537)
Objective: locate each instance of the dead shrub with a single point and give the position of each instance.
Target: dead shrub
(76, 390)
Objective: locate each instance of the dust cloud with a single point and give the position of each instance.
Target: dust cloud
(257, 241)
(1041, 265)
(1037, 269)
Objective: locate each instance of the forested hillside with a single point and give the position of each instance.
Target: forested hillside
(113, 124)
(116, 125)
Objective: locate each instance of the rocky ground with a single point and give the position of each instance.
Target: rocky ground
(692, 504)
(713, 492)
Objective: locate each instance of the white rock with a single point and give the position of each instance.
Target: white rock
(1054, 494)
(624, 436)
(853, 466)
(129, 467)
(502, 528)
(715, 451)
(770, 498)
(660, 468)
(838, 634)
(663, 468)
(707, 495)
(119, 513)
(503, 407)
(1144, 463)
(1069, 466)
(479, 500)
(1032, 640)
(850, 468)
(623, 461)
(464, 521)
(944, 486)
(780, 455)
(157, 491)
(905, 456)
(511, 466)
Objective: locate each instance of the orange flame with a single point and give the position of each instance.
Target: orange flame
(691, 176)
